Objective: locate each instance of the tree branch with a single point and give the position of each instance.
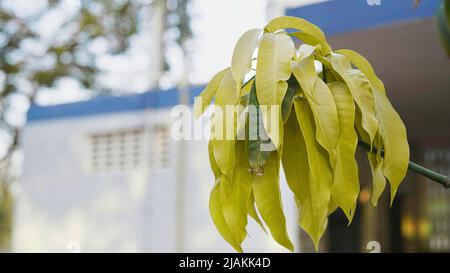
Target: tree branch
(432, 175)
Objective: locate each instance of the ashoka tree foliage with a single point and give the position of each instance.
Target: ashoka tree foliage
(312, 105)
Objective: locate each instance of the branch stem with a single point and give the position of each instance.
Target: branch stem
(432, 175)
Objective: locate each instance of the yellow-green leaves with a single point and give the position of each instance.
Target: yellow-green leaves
(319, 98)
(215, 209)
(307, 119)
(241, 62)
(316, 190)
(288, 22)
(268, 201)
(345, 188)
(392, 128)
(224, 126)
(274, 58)
(393, 134)
(234, 195)
(210, 91)
(360, 88)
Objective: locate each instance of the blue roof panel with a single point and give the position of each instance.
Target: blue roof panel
(101, 105)
(343, 16)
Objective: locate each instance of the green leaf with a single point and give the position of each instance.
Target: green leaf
(360, 89)
(379, 181)
(392, 129)
(295, 162)
(212, 161)
(257, 136)
(234, 195)
(315, 191)
(241, 62)
(288, 22)
(215, 209)
(252, 211)
(209, 92)
(273, 69)
(291, 93)
(345, 187)
(224, 133)
(268, 201)
(319, 98)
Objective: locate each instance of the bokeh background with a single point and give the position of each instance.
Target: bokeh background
(87, 162)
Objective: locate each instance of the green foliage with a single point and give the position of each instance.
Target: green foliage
(311, 121)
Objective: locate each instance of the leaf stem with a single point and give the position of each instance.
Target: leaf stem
(432, 175)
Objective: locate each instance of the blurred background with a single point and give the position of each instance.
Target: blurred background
(87, 162)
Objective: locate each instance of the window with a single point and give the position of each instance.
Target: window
(438, 204)
(116, 151)
(159, 147)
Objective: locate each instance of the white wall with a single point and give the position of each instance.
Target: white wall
(61, 204)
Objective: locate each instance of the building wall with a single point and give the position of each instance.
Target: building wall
(65, 204)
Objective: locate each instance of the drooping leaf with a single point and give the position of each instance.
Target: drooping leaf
(295, 163)
(274, 58)
(316, 191)
(291, 93)
(268, 201)
(252, 211)
(243, 110)
(375, 160)
(215, 209)
(379, 181)
(360, 89)
(288, 22)
(392, 128)
(234, 195)
(241, 62)
(209, 92)
(319, 98)
(224, 125)
(345, 187)
(257, 136)
(212, 162)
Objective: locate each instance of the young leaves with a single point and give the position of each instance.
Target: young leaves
(241, 62)
(288, 22)
(312, 130)
(268, 200)
(234, 195)
(392, 129)
(360, 88)
(345, 187)
(319, 98)
(274, 67)
(257, 136)
(316, 193)
(225, 126)
(209, 92)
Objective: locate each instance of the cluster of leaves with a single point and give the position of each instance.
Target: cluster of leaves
(322, 114)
